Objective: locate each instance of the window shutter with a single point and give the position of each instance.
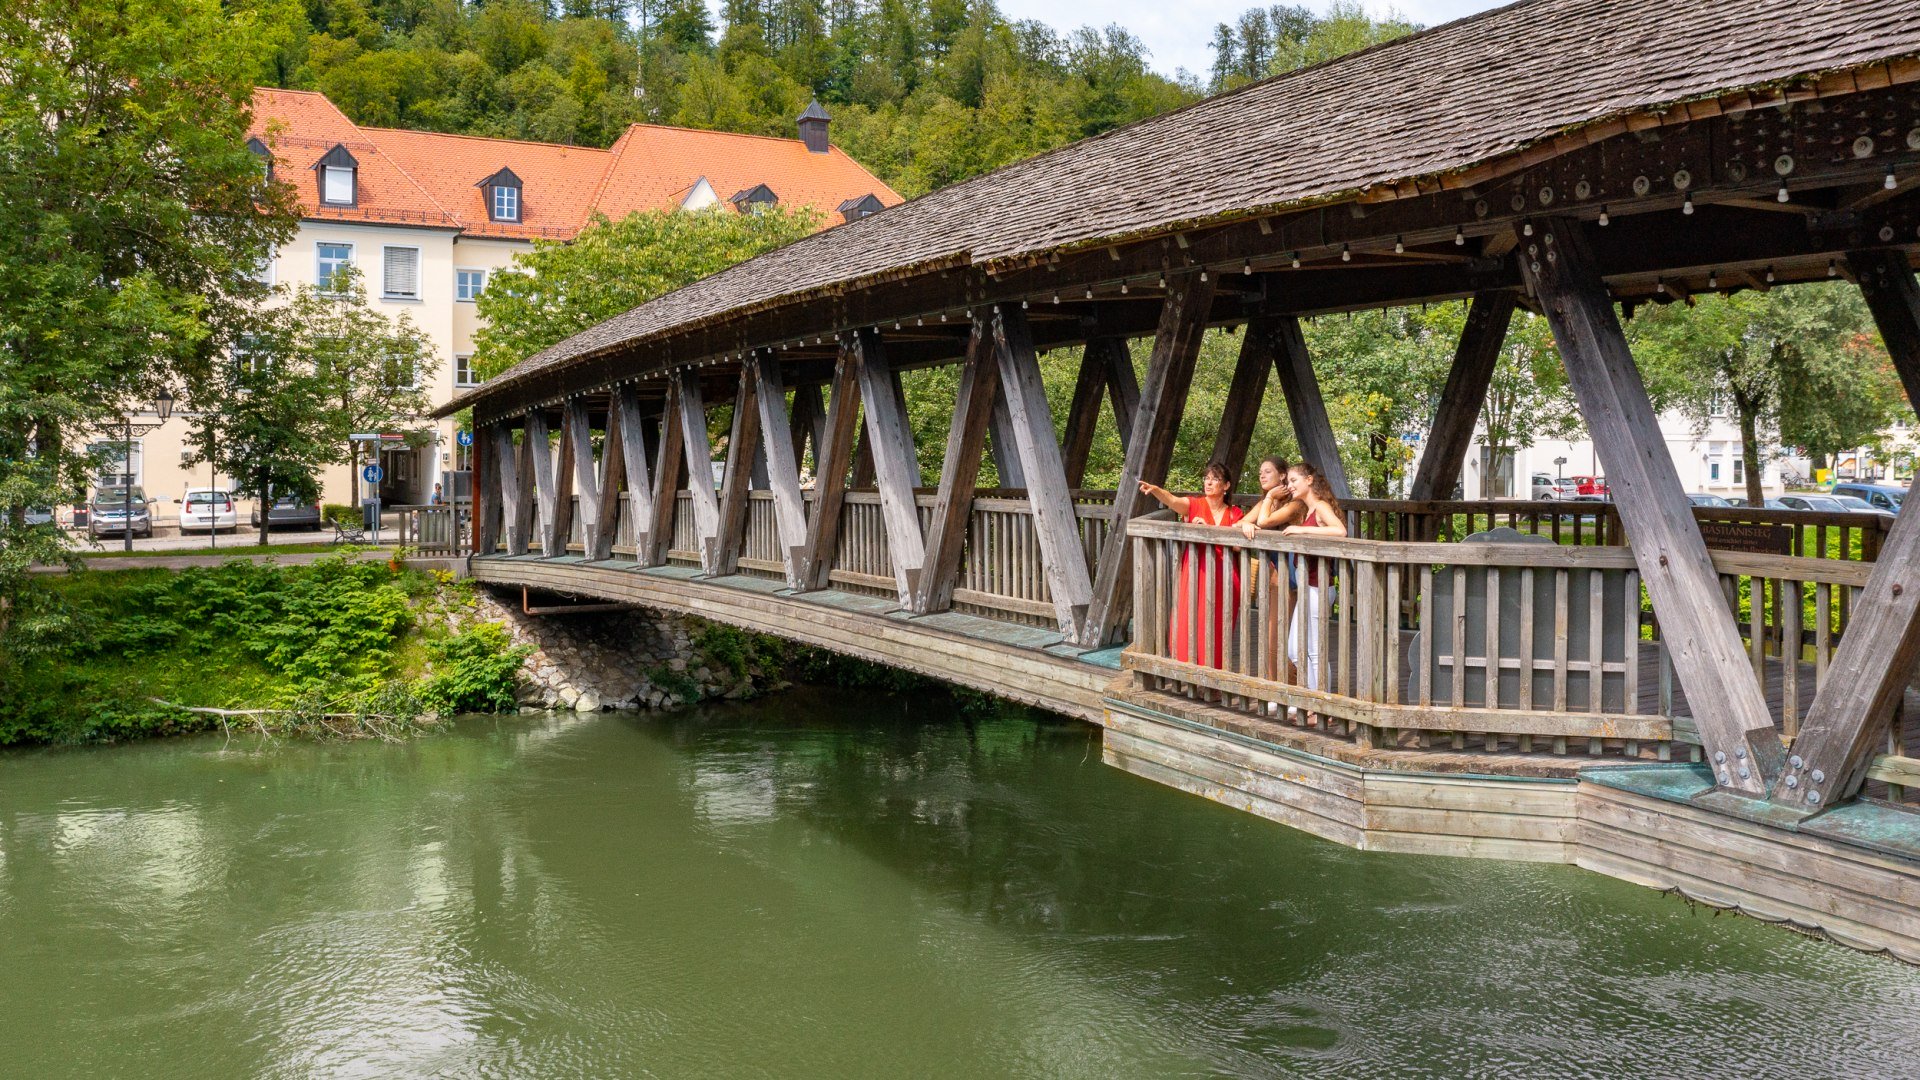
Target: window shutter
(339, 185)
(402, 271)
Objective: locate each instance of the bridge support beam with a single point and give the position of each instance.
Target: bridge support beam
(536, 443)
(1463, 397)
(654, 535)
(1308, 410)
(777, 454)
(1006, 457)
(1176, 345)
(1048, 496)
(516, 483)
(623, 466)
(832, 456)
(976, 403)
(1735, 725)
(1876, 658)
(576, 457)
(699, 455)
(736, 481)
(896, 467)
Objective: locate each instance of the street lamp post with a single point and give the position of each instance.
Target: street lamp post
(162, 408)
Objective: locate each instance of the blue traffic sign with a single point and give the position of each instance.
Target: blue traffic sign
(372, 474)
(465, 437)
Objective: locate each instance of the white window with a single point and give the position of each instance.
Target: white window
(463, 371)
(467, 284)
(402, 272)
(506, 203)
(336, 185)
(1739, 470)
(332, 259)
(1716, 404)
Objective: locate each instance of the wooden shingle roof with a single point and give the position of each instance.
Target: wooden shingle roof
(1400, 117)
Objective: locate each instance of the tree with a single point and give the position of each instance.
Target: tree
(1528, 397)
(132, 220)
(1766, 357)
(557, 290)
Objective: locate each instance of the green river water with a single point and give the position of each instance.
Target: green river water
(828, 884)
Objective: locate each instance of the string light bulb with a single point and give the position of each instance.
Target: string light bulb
(1686, 204)
(1089, 292)
(1203, 274)
(1246, 268)
(1296, 260)
(1833, 270)
(1604, 220)
(1782, 195)
(1123, 288)
(1660, 286)
(1459, 236)
(1526, 228)
(1056, 298)
(1399, 246)
(1346, 253)
(1713, 279)
(1769, 275)
(1891, 181)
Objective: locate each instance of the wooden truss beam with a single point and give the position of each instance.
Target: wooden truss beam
(832, 456)
(736, 483)
(1700, 637)
(624, 466)
(1176, 345)
(537, 444)
(976, 400)
(1463, 396)
(896, 467)
(777, 454)
(651, 542)
(1312, 430)
(1877, 656)
(1006, 460)
(1048, 495)
(1083, 415)
(699, 459)
(576, 457)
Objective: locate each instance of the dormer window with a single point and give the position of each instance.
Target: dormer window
(259, 149)
(502, 194)
(339, 175)
(754, 199)
(864, 206)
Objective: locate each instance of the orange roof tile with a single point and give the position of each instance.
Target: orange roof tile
(300, 127)
(558, 182)
(430, 178)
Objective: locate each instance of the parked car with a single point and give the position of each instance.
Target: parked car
(1547, 487)
(1878, 496)
(288, 512)
(1853, 504)
(39, 515)
(1824, 503)
(207, 510)
(119, 510)
(1590, 485)
(1699, 498)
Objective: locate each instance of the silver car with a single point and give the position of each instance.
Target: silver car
(117, 510)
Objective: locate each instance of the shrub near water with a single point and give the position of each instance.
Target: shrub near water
(88, 653)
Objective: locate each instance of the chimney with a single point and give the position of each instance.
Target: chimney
(813, 127)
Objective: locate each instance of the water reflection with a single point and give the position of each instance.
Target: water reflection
(831, 886)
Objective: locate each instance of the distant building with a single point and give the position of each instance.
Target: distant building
(427, 218)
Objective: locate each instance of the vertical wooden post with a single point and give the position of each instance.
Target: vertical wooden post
(1006, 460)
(505, 487)
(1244, 396)
(975, 402)
(736, 483)
(484, 503)
(624, 466)
(538, 443)
(1049, 498)
(1311, 428)
(1876, 659)
(699, 456)
(896, 468)
(832, 454)
(582, 475)
(651, 544)
(1464, 396)
(1083, 415)
(529, 493)
(805, 422)
(1176, 345)
(777, 439)
(1729, 709)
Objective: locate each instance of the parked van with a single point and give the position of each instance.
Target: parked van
(1879, 496)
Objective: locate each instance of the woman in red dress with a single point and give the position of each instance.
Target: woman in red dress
(1207, 594)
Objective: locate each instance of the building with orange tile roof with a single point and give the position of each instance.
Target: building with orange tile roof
(427, 217)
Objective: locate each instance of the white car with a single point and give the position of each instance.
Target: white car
(207, 509)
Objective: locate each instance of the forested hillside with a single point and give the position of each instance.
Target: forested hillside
(924, 92)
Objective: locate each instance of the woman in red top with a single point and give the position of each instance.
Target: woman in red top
(1323, 518)
(1206, 594)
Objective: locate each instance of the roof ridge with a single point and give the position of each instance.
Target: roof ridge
(485, 138)
(716, 131)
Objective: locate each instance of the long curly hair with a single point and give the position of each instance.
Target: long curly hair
(1321, 489)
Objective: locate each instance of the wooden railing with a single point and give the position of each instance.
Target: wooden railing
(443, 530)
(1488, 646)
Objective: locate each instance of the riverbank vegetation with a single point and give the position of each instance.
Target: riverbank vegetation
(337, 646)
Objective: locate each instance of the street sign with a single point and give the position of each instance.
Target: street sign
(465, 437)
(376, 436)
(372, 474)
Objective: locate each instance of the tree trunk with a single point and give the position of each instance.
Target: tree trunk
(266, 505)
(1750, 453)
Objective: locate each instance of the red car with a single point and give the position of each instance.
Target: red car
(1590, 485)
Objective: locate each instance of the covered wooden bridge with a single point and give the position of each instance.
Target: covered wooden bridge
(1646, 705)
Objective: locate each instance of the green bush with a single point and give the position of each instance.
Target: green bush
(474, 671)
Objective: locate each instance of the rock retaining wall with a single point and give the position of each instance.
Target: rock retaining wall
(610, 660)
